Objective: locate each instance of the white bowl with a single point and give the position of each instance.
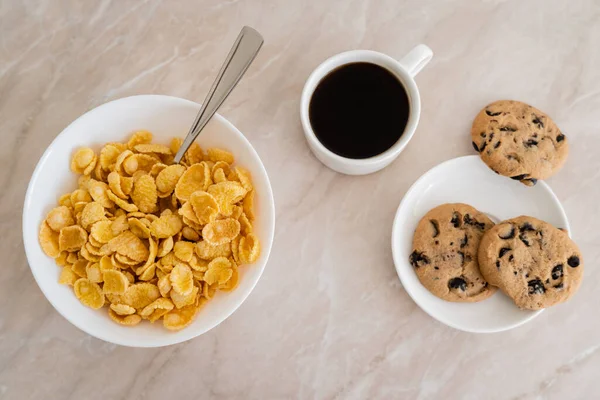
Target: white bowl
(165, 117)
(468, 180)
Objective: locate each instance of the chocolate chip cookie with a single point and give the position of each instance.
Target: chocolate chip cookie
(444, 253)
(519, 141)
(534, 263)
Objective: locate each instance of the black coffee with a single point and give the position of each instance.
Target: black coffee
(359, 110)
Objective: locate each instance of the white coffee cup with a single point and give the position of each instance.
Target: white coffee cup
(405, 70)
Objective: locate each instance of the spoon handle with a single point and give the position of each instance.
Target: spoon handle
(238, 60)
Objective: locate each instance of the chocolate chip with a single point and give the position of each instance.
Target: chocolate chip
(457, 283)
(418, 259)
(475, 147)
(533, 181)
(508, 129)
(467, 219)
(536, 286)
(510, 235)
(436, 227)
(526, 227)
(482, 147)
(536, 120)
(531, 143)
(515, 272)
(497, 144)
(560, 138)
(491, 136)
(573, 261)
(559, 286)
(456, 220)
(510, 258)
(493, 114)
(548, 280)
(557, 271)
(498, 264)
(524, 240)
(462, 257)
(437, 242)
(464, 241)
(482, 134)
(503, 251)
(436, 268)
(519, 177)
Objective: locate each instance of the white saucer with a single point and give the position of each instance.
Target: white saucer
(468, 180)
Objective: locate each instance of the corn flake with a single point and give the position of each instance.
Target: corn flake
(67, 277)
(82, 160)
(227, 194)
(72, 238)
(91, 213)
(184, 251)
(249, 249)
(98, 191)
(221, 231)
(177, 319)
(216, 155)
(206, 251)
(140, 295)
(196, 177)
(166, 226)
(122, 309)
(89, 293)
(190, 234)
(129, 245)
(157, 309)
(182, 279)
(128, 320)
(139, 137)
(181, 300)
(49, 240)
(60, 217)
(144, 194)
(219, 271)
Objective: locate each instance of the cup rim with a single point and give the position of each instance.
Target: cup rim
(383, 60)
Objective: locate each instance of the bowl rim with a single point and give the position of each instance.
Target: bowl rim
(28, 242)
(396, 248)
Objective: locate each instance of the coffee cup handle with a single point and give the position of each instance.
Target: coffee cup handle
(416, 59)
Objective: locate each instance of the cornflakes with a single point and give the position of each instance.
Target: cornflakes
(101, 231)
(219, 271)
(84, 161)
(196, 177)
(67, 277)
(216, 155)
(98, 191)
(49, 240)
(115, 282)
(205, 207)
(184, 250)
(129, 245)
(157, 309)
(182, 300)
(151, 238)
(91, 213)
(72, 238)
(227, 194)
(182, 279)
(221, 231)
(249, 249)
(89, 293)
(140, 295)
(122, 309)
(59, 217)
(144, 194)
(165, 226)
(206, 251)
(128, 320)
(168, 178)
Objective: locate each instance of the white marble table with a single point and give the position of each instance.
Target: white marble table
(329, 319)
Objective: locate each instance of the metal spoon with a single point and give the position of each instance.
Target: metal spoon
(241, 55)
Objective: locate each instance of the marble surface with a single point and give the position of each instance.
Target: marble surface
(329, 319)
